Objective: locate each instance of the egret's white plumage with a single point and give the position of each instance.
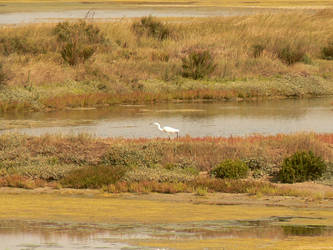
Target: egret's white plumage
(167, 130)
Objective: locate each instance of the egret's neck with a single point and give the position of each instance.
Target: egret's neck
(159, 126)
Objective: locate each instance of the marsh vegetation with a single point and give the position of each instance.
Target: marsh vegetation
(80, 64)
(231, 165)
(87, 63)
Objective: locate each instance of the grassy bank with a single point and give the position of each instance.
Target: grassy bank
(155, 165)
(260, 56)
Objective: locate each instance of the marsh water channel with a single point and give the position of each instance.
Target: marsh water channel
(26, 235)
(20, 13)
(193, 119)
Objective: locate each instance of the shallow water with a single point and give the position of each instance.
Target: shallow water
(194, 119)
(108, 13)
(85, 221)
(46, 235)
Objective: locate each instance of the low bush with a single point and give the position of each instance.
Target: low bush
(151, 27)
(198, 64)
(327, 52)
(74, 52)
(290, 55)
(124, 156)
(79, 41)
(82, 31)
(231, 169)
(93, 177)
(302, 166)
(20, 45)
(257, 50)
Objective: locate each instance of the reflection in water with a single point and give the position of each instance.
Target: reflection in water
(31, 235)
(194, 119)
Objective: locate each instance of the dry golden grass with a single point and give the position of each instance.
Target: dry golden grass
(131, 69)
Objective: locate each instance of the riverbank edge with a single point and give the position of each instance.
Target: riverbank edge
(217, 198)
(72, 94)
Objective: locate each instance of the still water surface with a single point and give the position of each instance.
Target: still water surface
(108, 13)
(194, 119)
(45, 235)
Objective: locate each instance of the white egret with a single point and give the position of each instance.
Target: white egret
(167, 130)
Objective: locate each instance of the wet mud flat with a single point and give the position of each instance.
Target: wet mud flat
(76, 221)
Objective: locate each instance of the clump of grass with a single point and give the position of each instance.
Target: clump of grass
(201, 191)
(327, 52)
(198, 64)
(3, 75)
(302, 166)
(152, 27)
(257, 50)
(19, 44)
(78, 41)
(231, 169)
(93, 177)
(149, 186)
(291, 55)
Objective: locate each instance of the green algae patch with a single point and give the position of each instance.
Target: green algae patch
(244, 243)
(111, 209)
(145, 222)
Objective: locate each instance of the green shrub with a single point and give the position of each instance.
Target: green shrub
(291, 55)
(85, 33)
(123, 156)
(151, 27)
(198, 64)
(79, 41)
(257, 50)
(327, 52)
(74, 52)
(93, 177)
(231, 169)
(302, 166)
